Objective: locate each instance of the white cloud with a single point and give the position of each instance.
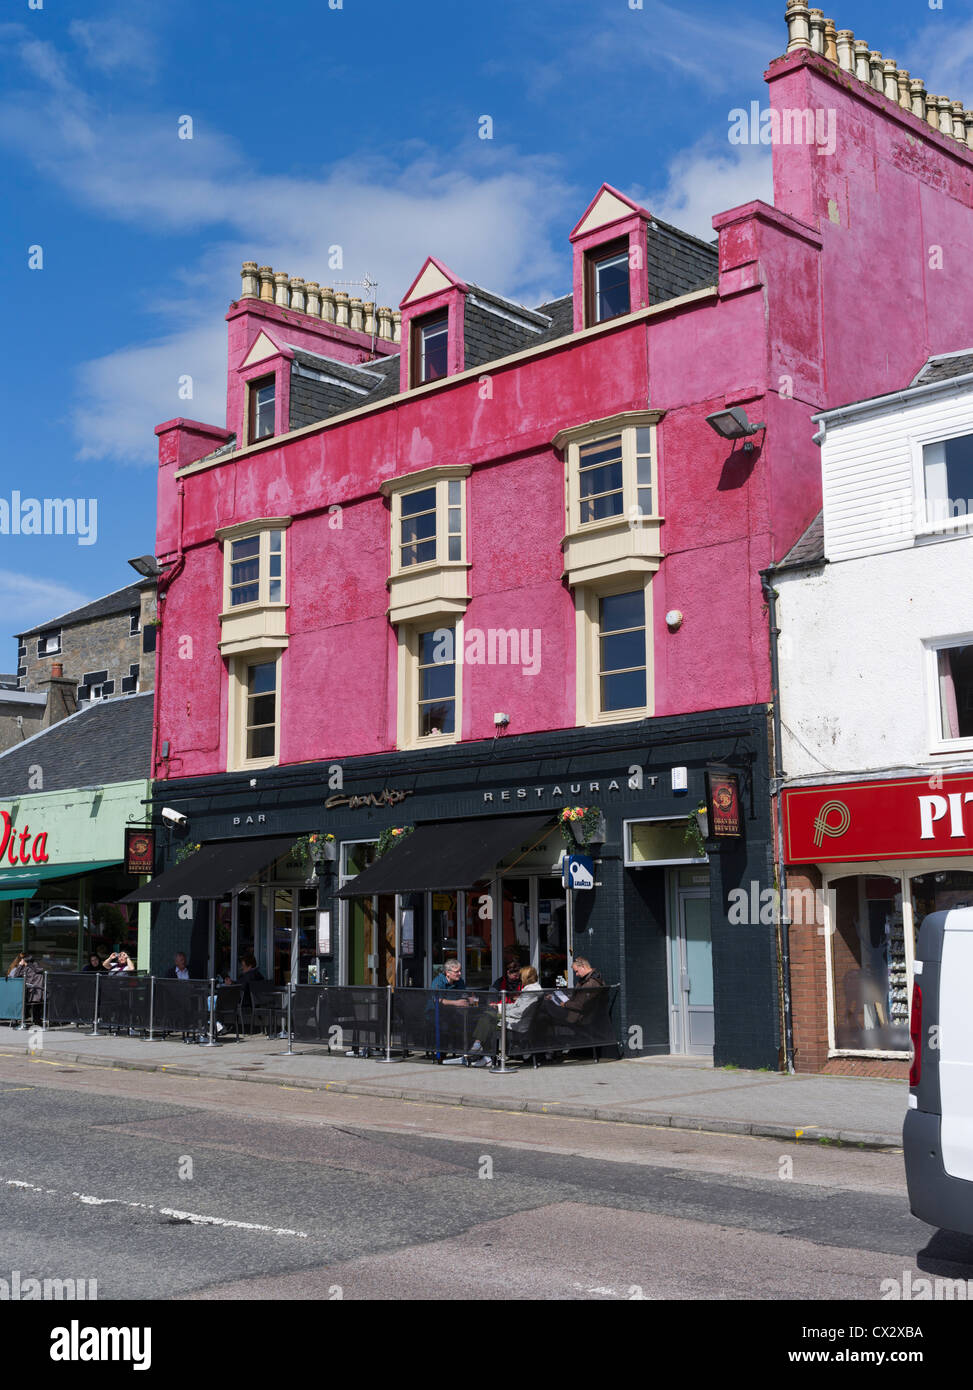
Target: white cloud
(702, 182)
(28, 601)
(111, 45)
(942, 55)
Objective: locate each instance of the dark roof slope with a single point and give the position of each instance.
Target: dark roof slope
(109, 741)
(120, 601)
(944, 368)
(677, 262)
(809, 549)
(494, 327)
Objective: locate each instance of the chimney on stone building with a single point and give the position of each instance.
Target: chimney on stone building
(62, 695)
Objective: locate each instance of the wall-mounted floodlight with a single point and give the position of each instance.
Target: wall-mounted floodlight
(732, 423)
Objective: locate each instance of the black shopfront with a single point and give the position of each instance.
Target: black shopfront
(479, 877)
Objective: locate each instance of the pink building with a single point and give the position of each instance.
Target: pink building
(495, 559)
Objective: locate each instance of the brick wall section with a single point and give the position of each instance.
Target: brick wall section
(809, 985)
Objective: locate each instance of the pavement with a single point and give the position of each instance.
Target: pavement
(680, 1093)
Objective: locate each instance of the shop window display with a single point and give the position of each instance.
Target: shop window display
(870, 987)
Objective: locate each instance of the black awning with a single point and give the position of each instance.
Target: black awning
(456, 854)
(213, 870)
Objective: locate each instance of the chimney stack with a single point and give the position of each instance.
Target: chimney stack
(62, 695)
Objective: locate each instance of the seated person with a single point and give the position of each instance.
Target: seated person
(249, 974)
(510, 980)
(517, 1014)
(573, 1008)
(180, 970)
(441, 1011)
(94, 966)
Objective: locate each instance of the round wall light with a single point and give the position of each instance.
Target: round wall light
(674, 620)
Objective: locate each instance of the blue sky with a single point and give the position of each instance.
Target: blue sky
(312, 127)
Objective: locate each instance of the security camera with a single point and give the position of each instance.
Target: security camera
(174, 817)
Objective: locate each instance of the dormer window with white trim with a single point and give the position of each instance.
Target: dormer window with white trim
(430, 351)
(261, 408)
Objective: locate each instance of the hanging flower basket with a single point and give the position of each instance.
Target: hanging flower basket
(580, 825)
(313, 849)
(187, 850)
(391, 835)
(697, 828)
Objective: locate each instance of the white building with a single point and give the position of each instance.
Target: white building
(875, 614)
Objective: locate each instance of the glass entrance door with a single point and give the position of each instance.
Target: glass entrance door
(691, 1028)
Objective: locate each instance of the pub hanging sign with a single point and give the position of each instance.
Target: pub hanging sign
(723, 803)
(139, 850)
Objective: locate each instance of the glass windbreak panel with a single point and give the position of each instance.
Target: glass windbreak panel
(658, 842)
(443, 940)
(611, 287)
(262, 710)
(245, 570)
(867, 962)
(355, 856)
(948, 475)
(600, 479)
(478, 967)
(552, 931)
(437, 682)
(622, 651)
(433, 340)
(515, 919)
(956, 692)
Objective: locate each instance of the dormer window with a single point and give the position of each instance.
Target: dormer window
(608, 288)
(260, 409)
(430, 344)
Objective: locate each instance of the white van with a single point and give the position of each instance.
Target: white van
(938, 1131)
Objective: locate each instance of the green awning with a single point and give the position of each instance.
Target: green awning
(24, 883)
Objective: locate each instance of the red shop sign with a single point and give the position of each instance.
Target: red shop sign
(910, 818)
(20, 846)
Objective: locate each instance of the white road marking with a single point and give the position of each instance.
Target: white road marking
(192, 1216)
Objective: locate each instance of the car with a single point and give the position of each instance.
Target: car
(937, 1135)
(60, 916)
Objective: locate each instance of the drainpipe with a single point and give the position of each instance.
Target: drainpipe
(163, 584)
(777, 781)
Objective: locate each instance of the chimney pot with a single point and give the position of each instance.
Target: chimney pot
(863, 69)
(327, 304)
(297, 293)
(57, 668)
(251, 281)
(817, 30)
(917, 89)
(266, 273)
(341, 307)
(798, 25)
(932, 110)
(959, 124)
(830, 41)
(945, 115)
(902, 78)
(890, 69)
(876, 75)
(846, 49)
(281, 283)
(314, 299)
(968, 122)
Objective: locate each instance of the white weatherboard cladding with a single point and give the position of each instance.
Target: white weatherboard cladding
(872, 498)
(854, 670)
(956, 1046)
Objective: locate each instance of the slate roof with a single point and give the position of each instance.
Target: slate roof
(494, 327)
(944, 368)
(121, 601)
(809, 549)
(109, 741)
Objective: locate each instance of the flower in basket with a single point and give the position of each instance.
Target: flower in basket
(579, 822)
(391, 835)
